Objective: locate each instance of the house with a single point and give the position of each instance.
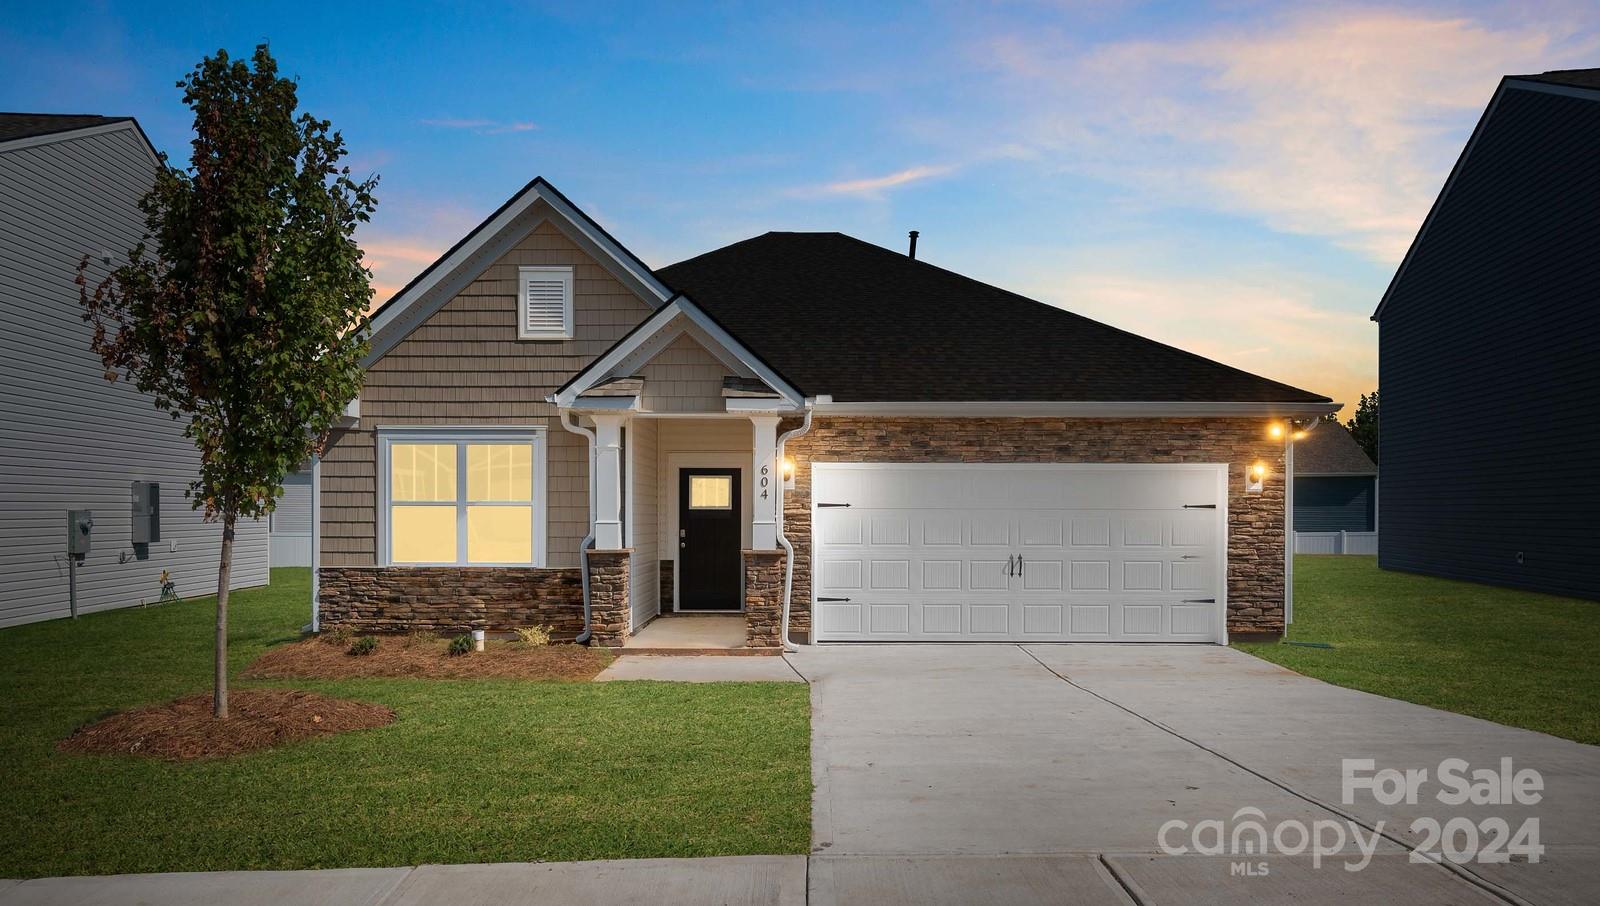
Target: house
(1335, 494)
(70, 187)
(290, 521)
(1489, 353)
(898, 451)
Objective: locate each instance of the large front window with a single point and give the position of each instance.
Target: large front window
(463, 499)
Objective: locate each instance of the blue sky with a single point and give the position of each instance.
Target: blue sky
(1236, 178)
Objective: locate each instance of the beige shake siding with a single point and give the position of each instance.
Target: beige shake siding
(465, 366)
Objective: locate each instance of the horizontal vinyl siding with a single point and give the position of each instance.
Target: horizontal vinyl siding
(1490, 362)
(465, 366)
(644, 580)
(1333, 504)
(684, 377)
(68, 438)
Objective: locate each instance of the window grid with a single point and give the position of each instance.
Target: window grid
(516, 460)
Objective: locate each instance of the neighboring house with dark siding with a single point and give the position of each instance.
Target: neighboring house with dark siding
(69, 440)
(1335, 483)
(1490, 353)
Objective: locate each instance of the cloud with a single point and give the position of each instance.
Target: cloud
(874, 186)
(1274, 325)
(1336, 124)
(483, 127)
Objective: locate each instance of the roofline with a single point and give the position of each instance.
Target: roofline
(567, 394)
(390, 313)
(1525, 84)
(1315, 399)
(1075, 409)
(77, 132)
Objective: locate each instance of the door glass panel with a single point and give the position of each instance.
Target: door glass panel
(499, 534)
(422, 472)
(710, 492)
(423, 534)
(499, 472)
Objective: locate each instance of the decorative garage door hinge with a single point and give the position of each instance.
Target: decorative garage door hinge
(823, 505)
(832, 600)
(1199, 600)
(1199, 506)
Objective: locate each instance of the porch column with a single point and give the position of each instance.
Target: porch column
(608, 481)
(764, 483)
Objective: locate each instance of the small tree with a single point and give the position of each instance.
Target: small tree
(243, 309)
(1363, 424)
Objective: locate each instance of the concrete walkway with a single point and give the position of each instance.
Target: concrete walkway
(1037, 774)
(931, 756)
(700, 669)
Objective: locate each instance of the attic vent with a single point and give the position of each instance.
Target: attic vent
(544, 303)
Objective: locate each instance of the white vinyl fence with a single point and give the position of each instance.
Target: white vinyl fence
(1336, 543)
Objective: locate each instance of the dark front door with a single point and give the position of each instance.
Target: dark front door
(709, 518)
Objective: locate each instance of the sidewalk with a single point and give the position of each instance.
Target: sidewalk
(775, 880)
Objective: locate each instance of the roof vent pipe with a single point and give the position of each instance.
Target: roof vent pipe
(913, 253)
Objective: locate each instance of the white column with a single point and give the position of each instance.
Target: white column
(608, 481)
(764, 483)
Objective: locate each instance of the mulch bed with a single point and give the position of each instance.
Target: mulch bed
(409, 656)
(184, 730)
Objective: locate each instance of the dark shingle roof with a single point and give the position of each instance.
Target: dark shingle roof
(1577, 78)
(1330, 450)
(27, 125)
(836, 315)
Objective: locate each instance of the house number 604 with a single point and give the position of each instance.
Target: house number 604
(764, 470)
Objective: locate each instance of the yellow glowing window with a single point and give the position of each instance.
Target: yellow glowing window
(499, 534)
(499, 472)
(423, 534)
(422, 472)
(710, 492)
(461, 502)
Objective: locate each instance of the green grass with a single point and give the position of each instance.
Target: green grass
(471, 771)
(1513, 657)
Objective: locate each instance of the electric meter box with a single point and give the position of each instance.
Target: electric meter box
(79, 524)
(146, 512)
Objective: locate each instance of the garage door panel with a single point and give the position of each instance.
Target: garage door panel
(925, 553)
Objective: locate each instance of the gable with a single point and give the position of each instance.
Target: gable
(464, 360)
(1517, 202)
(538, 204)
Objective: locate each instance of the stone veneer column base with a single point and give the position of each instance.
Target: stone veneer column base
(763, 599)
(608, 596)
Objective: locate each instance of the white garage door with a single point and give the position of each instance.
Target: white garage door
(1018, 552)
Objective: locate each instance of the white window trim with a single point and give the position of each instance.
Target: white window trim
(534, 435)
(544, 272)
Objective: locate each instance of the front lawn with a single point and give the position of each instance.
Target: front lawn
(470, 771)
(1513, 657)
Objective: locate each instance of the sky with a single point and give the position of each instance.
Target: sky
(1236, 178)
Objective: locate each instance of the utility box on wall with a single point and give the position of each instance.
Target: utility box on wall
(146, 512)
(79, 524)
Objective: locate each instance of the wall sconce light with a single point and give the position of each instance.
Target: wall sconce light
(1275, 430)
(788, 473)
(1255, 477)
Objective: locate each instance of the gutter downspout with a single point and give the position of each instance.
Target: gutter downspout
(588, 540)
(783, 542)
(1288, 517)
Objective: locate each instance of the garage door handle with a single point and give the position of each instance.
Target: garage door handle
(823, 506)
(832, 600)
(1199, 506)
(1199, 600)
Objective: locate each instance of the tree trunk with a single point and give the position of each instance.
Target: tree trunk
(219, 694)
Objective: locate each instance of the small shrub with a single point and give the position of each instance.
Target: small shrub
(339, 636)
(364, 645)
(461, 644)
(534, 636)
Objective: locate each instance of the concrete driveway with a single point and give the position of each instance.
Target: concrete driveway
(1026, 770)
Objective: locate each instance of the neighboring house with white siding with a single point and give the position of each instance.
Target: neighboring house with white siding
(69, 440)
(290, 522)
